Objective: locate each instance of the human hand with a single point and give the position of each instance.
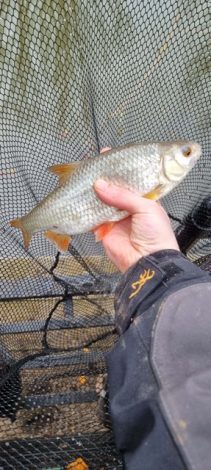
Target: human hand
(145, 231)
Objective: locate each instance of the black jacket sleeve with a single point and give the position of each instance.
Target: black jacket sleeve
(159, 371)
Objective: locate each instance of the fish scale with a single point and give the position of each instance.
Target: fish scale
(152, 168)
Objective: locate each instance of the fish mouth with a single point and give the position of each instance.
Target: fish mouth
(196, 153)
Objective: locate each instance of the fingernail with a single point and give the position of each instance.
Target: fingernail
(102, 185)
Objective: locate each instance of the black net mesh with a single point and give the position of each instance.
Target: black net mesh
(77, 75)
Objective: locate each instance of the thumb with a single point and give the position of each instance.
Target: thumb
(122, 198)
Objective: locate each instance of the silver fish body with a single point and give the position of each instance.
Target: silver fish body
(74, 207)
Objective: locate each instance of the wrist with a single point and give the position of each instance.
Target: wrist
(169, 244)
(148, 280)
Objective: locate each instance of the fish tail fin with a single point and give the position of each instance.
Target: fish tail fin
(61, 241)
(18, 223)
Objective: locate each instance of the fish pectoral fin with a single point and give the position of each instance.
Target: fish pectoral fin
(102, 230)
(155, 193)
(18, 223)
(63, 171)
(60, 240)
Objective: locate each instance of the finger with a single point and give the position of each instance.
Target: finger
(123, 198)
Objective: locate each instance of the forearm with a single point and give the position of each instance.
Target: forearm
(163, 318)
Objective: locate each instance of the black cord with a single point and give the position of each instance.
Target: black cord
(176, 219)
(74, 252)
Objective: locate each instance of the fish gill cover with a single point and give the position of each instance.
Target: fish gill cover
(76, 76)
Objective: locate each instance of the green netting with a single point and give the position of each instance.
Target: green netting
(77, 75)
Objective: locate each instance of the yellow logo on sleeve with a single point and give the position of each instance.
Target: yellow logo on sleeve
(137, 285)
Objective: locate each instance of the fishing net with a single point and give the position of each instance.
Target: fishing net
(76, 76)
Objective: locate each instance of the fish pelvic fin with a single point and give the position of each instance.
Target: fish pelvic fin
(18, 223)
(102, 230)
(64, 171)
(61, 241)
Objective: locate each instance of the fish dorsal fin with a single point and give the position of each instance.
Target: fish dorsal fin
(64, 170)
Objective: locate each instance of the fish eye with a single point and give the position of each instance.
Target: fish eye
(186, 151)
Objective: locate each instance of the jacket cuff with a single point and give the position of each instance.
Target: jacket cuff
(149, 280)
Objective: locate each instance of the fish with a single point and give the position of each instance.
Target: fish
(151, 168)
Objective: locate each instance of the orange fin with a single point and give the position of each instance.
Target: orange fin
(61, 241)
(102, 230)
(63, 171)
(18, 223)
(155, 193)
